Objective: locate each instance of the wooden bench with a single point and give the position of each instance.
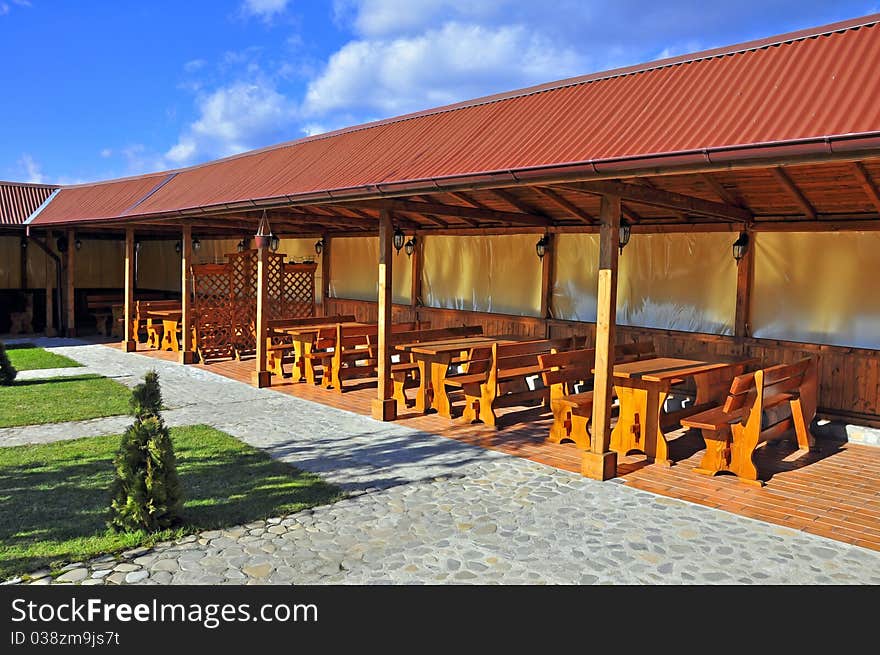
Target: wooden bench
(501, 379)
(105, 308)
(350, 353)
(568, 375)
(768, 404)
(405, 373)
(281, 348)
(154, 328)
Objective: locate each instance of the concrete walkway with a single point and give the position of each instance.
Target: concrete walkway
(427, 509)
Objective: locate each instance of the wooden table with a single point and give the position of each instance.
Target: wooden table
(303, 338)
(643, 386)
(434, 358)
(170, 321)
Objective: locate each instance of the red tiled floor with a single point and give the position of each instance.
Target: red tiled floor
(834, 492)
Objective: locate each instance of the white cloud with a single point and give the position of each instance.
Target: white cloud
(194, 65)
(5, 7)
(265, 9)
(32, 170)
(234, 118)
(456, 62)
(106, 152)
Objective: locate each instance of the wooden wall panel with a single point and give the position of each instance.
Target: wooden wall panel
(849, 378)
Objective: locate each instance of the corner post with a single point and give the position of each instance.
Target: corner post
(418, 258)
(547, 272)
(384, 406)
(71, 287)
(187, 347)
(600, 462)
(129, 343)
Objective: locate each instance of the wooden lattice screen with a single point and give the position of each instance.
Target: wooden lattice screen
(225, 303)
(212, 314)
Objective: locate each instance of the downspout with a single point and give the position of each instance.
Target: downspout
(56, 304)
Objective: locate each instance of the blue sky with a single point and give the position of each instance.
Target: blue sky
(95, 90)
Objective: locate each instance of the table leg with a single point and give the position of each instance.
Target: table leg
(422, 401)
(638, 423)
(170, 329)
(298, 363)
(440, 400)
(309, 366)
(655, 446)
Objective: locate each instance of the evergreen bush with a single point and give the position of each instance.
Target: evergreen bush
(7, 370)
(146, 493)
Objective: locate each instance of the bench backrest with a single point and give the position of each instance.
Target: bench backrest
(149, 305)
(435, 334)
(634, 350)
(567, 367)
(520, 354)
(351, 336)
(750, 389)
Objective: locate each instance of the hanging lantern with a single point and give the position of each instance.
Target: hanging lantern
(410, 246)
(625, 230)
(240, 247)
(78, 244)
(398, 239)
(196, 244)
(740, 246)
(177, 247)
(319, 246)
(541, 246)
(274, 242)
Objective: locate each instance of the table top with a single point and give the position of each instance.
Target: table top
(167, 314)
(297, 330)
(456, 344)
(659, 369)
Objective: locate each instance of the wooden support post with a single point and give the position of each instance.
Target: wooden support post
(187, 347)
(129, 342)
(71, 288)
(745, 276)
(50, 308)
(23, 261)
(600, 462)
(385, 406)
(325, 274)
(261, 377)
(547, 272)
(418, 258)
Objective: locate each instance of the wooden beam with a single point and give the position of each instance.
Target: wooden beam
(745, 276)
(325, 273)
(129, 342)
(457, 211)
(547, 272)
(868, 184)
(261, 377)
(469, 200)
(630, 214)
(187, 347)
(724, 194)
(667, 199)
(794, 191)
(384, 407)
(516, 202)
(566, 205)
(71, 286)
(600, 462)
(682, 216)
(418, 259)
(827, 225)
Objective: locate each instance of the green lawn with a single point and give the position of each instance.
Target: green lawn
(54, 497)
(27, 357)
(53, 400)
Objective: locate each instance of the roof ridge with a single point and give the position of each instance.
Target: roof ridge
(702, 55)
(34, 185)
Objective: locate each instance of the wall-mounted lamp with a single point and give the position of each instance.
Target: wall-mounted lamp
(240, 247)
(177, 247)
(196, 244)
(61, 243)
(274, 242)
(541, 246)
(410, 246)
(24, 243)
(319, 246)
(137, 245)
(625, 230)
(78, 244)
(740, 246)
(398, 239)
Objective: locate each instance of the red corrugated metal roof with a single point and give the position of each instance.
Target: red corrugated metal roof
(814, 84)
(19, 200)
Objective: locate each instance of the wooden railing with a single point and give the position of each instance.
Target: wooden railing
(849, 378)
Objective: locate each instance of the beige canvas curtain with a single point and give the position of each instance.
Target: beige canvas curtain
(500, 274)
(669, 281)
(99, 264)
(820, 287)
(354, 270)
(158, 266)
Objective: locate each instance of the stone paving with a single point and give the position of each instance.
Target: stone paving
(424, 509)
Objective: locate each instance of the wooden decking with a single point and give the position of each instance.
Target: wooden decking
(834, 493)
